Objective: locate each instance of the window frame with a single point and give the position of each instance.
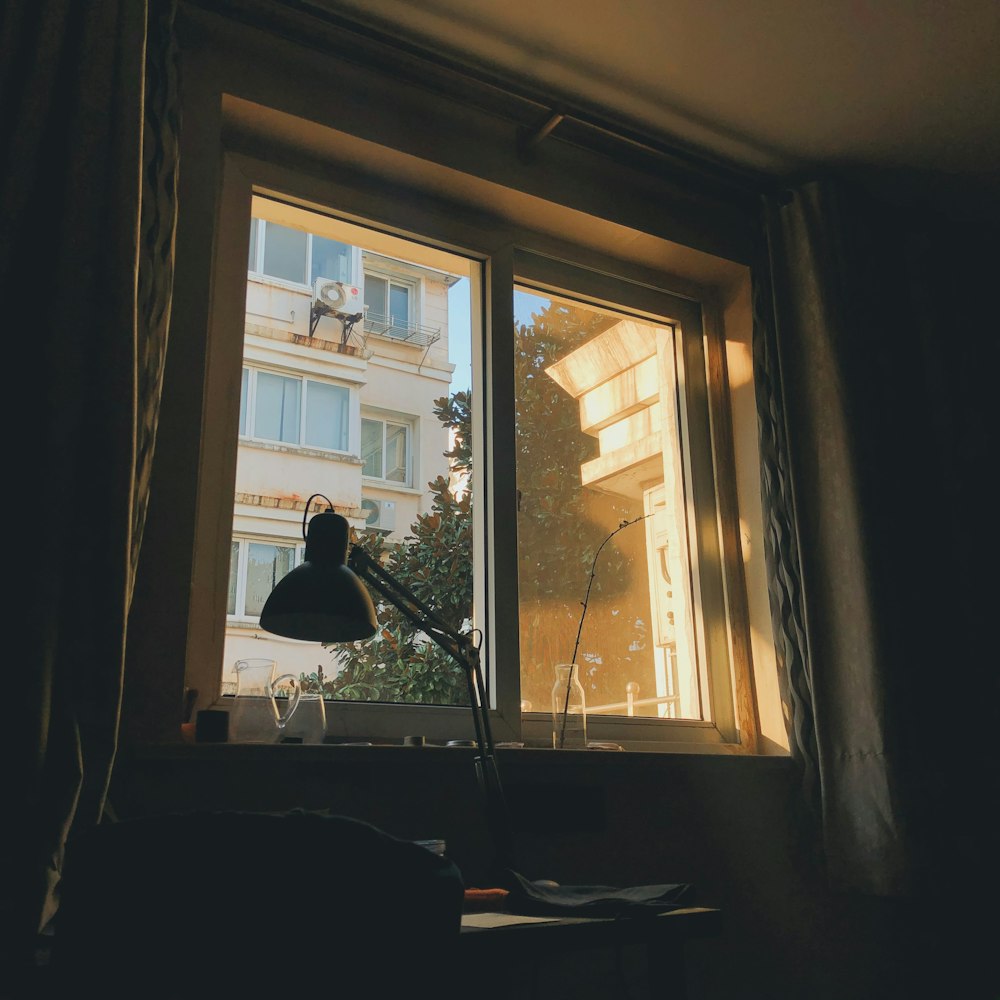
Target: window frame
(505, 262)
(623, 293)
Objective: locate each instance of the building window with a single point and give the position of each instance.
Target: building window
(254, 568)
(389, 306)
(330, 259)
(294, 410)
(297, 256)
(385, 450)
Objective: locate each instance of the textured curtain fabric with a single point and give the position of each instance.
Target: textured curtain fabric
(87, 211)
(868, 326)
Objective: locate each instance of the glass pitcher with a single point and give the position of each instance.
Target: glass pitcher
(310, 718)
(309, 725)
(256, 716)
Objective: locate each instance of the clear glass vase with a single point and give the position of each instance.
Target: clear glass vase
(569, 709)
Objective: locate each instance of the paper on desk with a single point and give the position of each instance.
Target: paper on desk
(501, 919)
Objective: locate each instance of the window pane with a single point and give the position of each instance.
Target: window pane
(375, 294)
(399, 305)
(276, 410)
(371, 447)
(284, 252)
(598, 445)
(330, 259)
(244, 396)
(327, 415)
(266, 565)
(234, 565)
(395, 453)
(311, 391)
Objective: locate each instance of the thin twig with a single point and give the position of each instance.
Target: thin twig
(583, 614)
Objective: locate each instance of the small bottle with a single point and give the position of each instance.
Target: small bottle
(569, 709)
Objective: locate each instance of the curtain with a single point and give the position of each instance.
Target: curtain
(872, 333)
(88, 146)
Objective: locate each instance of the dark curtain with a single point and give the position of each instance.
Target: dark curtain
(88, 144)
(875, 347)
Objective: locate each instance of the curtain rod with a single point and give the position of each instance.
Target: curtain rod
(427, 66)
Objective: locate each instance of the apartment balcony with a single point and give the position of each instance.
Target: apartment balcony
(404, 331)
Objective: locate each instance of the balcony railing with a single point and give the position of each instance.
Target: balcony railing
(402, 330)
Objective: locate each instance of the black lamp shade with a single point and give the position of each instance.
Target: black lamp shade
(322, 600)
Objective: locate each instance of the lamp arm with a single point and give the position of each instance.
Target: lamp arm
(455, 643)
(461, 648)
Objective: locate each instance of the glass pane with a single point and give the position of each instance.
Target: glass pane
(371, 448)
(330, 259)
(234, 565)
(598, 447)
(399, 305)
(244, 396)
(284, 252)
(266, 565)
(395, 453)
(276, 409)
(327, 415)
(375, 293)
(423, 534)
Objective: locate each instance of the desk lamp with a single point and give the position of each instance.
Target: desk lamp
(324, 600)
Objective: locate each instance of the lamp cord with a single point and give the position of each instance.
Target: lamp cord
(305, 513)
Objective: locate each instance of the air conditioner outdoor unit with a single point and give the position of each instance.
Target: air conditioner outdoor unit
(379, 513)
(338, 296)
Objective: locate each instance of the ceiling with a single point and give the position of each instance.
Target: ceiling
(903, 94)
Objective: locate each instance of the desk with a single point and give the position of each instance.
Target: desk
(504, 948)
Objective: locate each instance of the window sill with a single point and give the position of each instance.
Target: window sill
(389, 753)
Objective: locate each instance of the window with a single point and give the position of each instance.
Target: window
(385, 449)
(254, 568)
(581, 374)
(278, 251)
(390, 309)
(611, 535)
(603, 415)
(359, 404)
(330, 259)
(293, 410)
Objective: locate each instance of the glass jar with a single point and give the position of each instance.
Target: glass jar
(569, 709)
